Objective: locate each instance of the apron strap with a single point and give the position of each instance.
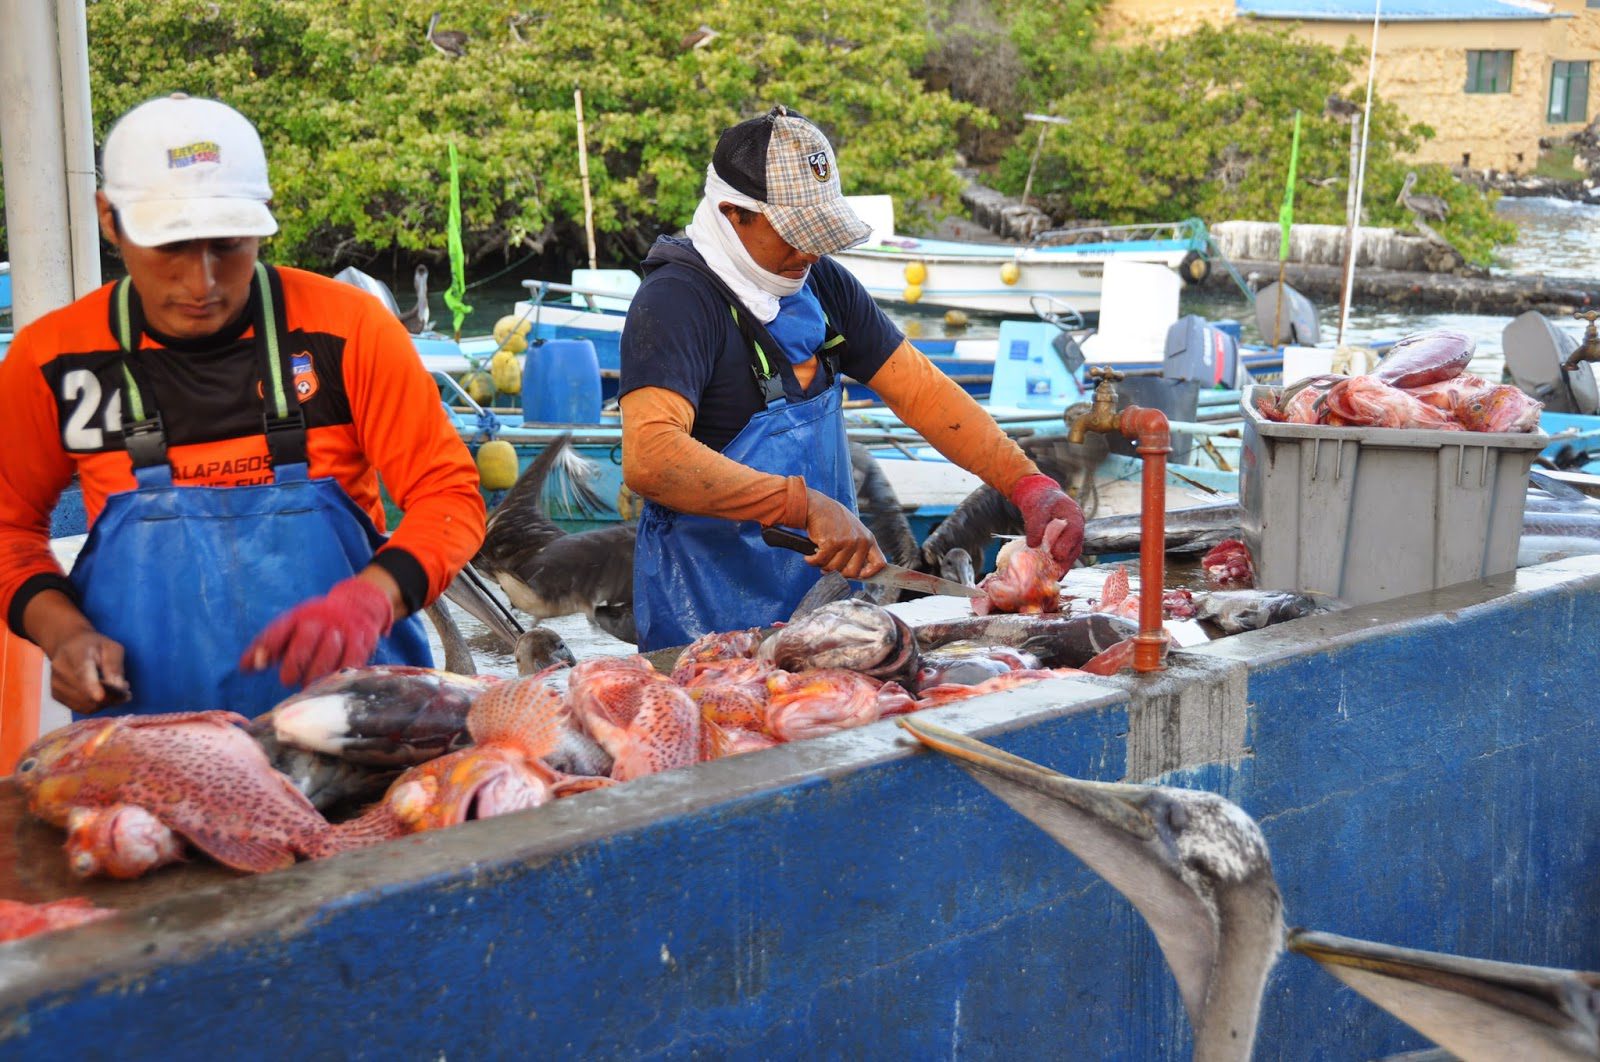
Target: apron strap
(283, 422)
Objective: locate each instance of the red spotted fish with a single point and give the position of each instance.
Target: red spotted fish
(813, 703)
(1028, 580)
(647, 722)
(197, 773)
(513, 726)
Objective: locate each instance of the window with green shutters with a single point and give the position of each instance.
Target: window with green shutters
(1489, 71)
(1569, 91)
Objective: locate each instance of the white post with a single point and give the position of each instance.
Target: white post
(1361, 179)
(33, 155)
(77, 124)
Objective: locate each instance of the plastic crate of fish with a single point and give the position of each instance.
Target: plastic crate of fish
(1367, 514)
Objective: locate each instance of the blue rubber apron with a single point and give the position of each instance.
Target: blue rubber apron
(186, 577)
(696, 574)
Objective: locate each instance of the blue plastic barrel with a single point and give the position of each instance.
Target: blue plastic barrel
(561, 383)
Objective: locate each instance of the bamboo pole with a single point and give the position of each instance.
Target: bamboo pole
(583, 172)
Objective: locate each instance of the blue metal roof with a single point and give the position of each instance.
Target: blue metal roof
(1394, 10)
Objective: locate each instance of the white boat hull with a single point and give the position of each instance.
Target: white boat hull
(971, 280)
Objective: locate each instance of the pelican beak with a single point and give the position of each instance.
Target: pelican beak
(1533, 994)
(1116, 805)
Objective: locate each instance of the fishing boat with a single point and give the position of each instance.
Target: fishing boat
(1006, 279)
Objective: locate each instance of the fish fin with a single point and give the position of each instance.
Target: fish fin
(1111, 660)
(525, 713)
(240, 853)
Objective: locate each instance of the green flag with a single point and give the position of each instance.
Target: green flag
(458, 267)
(1286, 212)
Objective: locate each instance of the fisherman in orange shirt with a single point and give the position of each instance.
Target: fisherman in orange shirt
(731, 363)
(227, 421)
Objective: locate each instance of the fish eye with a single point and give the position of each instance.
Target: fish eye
(27, 765)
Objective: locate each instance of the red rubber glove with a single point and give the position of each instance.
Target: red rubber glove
(320, 636)
(1042, 500)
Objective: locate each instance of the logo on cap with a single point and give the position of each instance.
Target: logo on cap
(818, 161)
(189, 154)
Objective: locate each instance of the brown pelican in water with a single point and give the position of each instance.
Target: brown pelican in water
(1197, 868)
(544, 570)
(420, 316)
(447, 42)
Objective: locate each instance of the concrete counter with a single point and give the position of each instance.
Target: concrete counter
(1422, 769)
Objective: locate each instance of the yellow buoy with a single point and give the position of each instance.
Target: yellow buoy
(916, 273)
(514, 343)
(506, 372)
(955, 319)
(913, 292)
(479, 386)
(1010, 273)
(497, 465)
(511, 323)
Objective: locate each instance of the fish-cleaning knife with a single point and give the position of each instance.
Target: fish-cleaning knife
(892, 574)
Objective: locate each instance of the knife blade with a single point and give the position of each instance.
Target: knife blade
(892, 574)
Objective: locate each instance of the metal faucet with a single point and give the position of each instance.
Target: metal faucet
(1103, 416)
(1589, 349)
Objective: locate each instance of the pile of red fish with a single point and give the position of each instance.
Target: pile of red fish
(1421, 383)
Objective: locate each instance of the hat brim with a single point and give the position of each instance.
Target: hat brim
(822, 228)
(161, 221)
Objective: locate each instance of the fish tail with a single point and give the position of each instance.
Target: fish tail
(525, 712)
(377, 824)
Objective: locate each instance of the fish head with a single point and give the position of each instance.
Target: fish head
(475, 783)
(850, 634)
(812, 703)
(121, 841)
(56, 766)
(1501, 408)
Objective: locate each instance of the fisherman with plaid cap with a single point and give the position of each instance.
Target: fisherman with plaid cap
(732, 359)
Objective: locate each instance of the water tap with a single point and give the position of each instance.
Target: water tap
(1589, 349)
(1102, 416)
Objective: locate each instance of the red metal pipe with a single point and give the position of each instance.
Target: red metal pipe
(1154, 441)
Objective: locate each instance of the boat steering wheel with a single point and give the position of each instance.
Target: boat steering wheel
(1056, 312)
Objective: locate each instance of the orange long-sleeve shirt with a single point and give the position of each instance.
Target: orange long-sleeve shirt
(663, 462)
(370, 408)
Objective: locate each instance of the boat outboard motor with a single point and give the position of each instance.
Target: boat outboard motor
(1298, 325)
(1534, 350)
(1198, 350)
(369, 284)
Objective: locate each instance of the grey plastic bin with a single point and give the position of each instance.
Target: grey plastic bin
(1366, 514)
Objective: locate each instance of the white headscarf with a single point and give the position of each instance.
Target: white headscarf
(712, 235)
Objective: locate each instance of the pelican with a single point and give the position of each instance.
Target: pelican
(1473, 1008)
(698, 38)
(547, 572)
(447, 42)
(1194, 865)
(1340, 109)
(420, 317)
(1427, 207)
(1197, 868)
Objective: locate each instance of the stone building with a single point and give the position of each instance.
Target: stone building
(1491, 77)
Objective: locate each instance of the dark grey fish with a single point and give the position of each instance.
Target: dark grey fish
(1192, 530)
(967, 664)
(1250, 610)
(384, 716)
(855, 635)
(1056, 640)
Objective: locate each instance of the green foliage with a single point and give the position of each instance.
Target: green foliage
(356, 108)
(1201, 125)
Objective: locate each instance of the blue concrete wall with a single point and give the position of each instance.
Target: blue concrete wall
(1426, 782)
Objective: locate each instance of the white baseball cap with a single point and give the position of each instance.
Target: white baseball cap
(180, 168)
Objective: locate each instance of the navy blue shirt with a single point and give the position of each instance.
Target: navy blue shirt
(681, 336)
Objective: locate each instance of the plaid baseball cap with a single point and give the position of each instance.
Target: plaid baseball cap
(184, 168)
(786, 163)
